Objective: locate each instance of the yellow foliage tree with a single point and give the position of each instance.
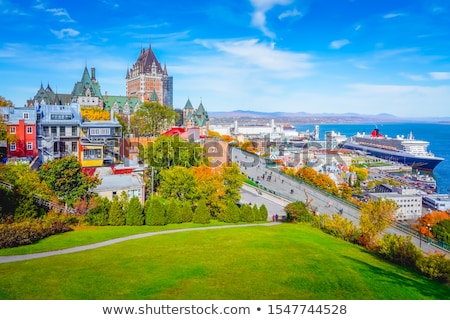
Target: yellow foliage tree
(93, 114)
(376, 216)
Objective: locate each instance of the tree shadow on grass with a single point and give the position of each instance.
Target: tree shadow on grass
(429, 288)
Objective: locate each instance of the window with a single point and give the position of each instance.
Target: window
(12, 147)
(12, 130)
(90, 154)
(29, 145)
(59, 116)
(62, 131)
(74, 131)
(74, 146)
(53, 131)
(26, 115)
(99, 131)
(29, 130)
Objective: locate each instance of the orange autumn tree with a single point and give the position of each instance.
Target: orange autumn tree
(428, 221)
(210, 187)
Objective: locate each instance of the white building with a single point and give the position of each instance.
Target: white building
(408, 200)
(439, 202)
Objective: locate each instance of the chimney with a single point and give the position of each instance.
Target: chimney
(93, 74)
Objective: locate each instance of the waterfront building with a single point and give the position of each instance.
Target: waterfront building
(21, 131)
(408, 200)
(439, 202)
(147, 80)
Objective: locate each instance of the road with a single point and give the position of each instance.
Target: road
(284, 187)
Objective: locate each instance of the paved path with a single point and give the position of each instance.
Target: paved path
(5, 259)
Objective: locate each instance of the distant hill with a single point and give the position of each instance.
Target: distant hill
(302, 116)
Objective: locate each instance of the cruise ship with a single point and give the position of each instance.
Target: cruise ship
(408, 151)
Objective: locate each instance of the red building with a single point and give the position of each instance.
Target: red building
(21, 129)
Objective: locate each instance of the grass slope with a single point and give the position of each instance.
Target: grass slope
(279, 262)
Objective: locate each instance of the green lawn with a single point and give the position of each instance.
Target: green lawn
(277, 262)
(91, 234)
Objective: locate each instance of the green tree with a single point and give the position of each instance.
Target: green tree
(174, 211)
(98, 215)
(297, 212)
(231, 214)
(256, 213)
(151, 118)
(178, 182)
(186, 211)
(441, 231)
(201, 214)
(3, 126)
(233, 181)
(155, 213)
(134, 214)
(263, 212)
(25, 180)
(65, 178)
(376, 216)
(247, 213)
(116, 215)
(27, 209)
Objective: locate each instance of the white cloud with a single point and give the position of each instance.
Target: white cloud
(393, 15)
(60, 12)
(440, 75)
(261, 7)
(263, 56)
(414, 77)
(290, 13)
(337, 44)
(67, 32)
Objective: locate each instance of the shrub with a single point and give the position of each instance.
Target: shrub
(155, 213)
(116, 214)
(256, 213)
(339, 227)
(231, 213)
(201, 214)
(399, 249)
(247, 213)
(99, 214)
(298, 212)
(263, 213)
(30, 231)
(135, 213)
(435, 266)
(174, 211)
(186, 212)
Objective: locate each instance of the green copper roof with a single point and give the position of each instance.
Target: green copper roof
(188, 105)
(154, 96)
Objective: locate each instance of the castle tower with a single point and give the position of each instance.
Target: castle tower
(147, 79)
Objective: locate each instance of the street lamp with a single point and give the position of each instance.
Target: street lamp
(428, 228)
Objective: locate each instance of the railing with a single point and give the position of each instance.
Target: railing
(396, 225)
(42, 202)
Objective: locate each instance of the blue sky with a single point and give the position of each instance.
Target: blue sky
(315, 56)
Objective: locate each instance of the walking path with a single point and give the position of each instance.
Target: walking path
(6, 259)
